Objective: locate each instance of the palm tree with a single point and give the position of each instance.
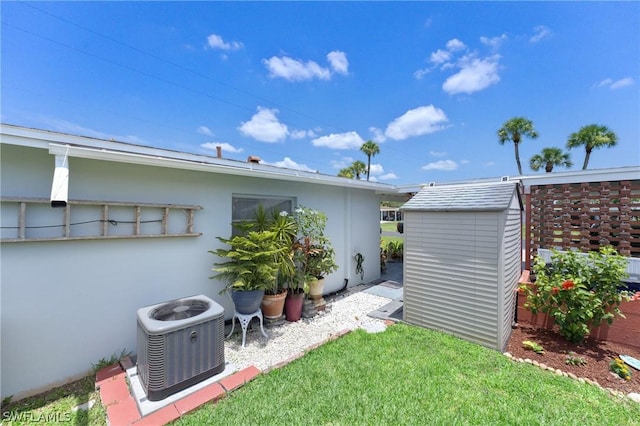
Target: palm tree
(513, 130)
(347, 172)
(358, 168)
(370, 149)
(549, 158)
(592, 136)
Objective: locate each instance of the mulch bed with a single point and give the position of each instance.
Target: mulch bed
(597, 354)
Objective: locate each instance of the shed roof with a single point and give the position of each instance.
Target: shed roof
(494, 196)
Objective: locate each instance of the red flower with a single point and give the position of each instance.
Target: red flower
(568, 285)
(555, 290)
(635, 296)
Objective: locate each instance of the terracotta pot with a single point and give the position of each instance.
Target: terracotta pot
(273, 305)
(293, 306)
(316, 287)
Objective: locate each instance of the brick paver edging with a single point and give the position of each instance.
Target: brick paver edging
(122, 408)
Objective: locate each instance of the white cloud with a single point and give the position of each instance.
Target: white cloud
(348, 140)
(338, 61)
(493, 42)
(475, 75)
(415, 122)
(421, 73)
(225, 147)
(440, 56)
(454, 45)
(443, 165)
(605, 82)
(613, 85)
(288, 163)
(388, 176)
(377, 135)
(628, 81)
(541, 32)
(489, 164)
(376, 169)
(264, 126)
(295, 70)
(204, 130)
(216, 42)
(437, 153)
(342, 163)
(301, 134)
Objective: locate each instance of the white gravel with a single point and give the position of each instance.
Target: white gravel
(292, 338)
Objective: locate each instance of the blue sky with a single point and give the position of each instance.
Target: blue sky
(303, 85)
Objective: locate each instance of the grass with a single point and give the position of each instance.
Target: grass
(410, 375)
(56, 406)
(389, 227)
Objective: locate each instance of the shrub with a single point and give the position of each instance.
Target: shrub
(578, 292)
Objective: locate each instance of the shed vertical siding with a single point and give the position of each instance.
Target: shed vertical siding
(463, 260)
(512, 243)
(450, 272)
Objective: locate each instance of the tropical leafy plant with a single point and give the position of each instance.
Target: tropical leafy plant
(313, 252)
(395, 249)
(533, 346)
(573, 359)
(513, 130)
(549, 158)
(284, 227)
(578, 292)
(251, 263)
(592, 136)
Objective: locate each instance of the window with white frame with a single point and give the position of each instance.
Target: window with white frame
(245, 206)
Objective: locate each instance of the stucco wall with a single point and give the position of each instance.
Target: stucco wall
(67, 304)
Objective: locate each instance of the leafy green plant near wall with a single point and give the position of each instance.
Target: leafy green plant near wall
(578, 292)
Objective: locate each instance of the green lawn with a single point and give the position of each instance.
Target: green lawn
(389, 227)
(57, 406)
(409, 375)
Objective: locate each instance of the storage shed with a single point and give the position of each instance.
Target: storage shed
(462, 260)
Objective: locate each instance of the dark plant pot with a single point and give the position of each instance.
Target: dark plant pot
(293, 306)
(273, 305)
(247, 302)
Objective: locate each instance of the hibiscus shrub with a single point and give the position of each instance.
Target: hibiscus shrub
(578, 292)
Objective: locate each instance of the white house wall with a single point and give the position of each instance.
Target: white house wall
(67, 304)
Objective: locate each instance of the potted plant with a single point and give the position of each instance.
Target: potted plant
(284, 227)
(251, 266)
(314, 253)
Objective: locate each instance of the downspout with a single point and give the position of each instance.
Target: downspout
(60, 185)
(348, 238)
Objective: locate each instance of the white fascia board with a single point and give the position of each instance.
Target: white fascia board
(100, 149)
(239, 168)
(555, 178)
(592, 175)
